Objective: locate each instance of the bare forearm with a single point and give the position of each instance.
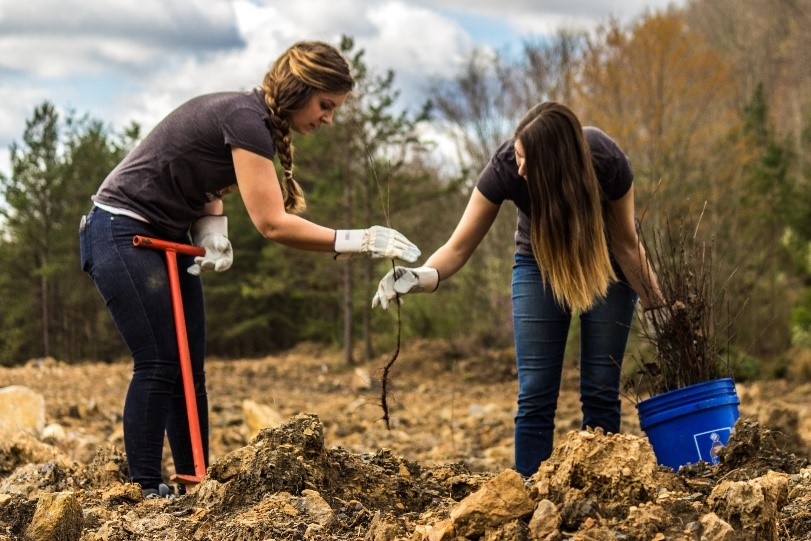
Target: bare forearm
(640, 275)
(447, 261)
(297, 232)
(471, 229)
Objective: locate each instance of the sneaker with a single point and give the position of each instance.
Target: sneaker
(163, 491)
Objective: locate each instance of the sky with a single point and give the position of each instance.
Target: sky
(121, 61)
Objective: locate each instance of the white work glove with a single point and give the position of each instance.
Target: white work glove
(211, 233)
(401, 280)
(376, 242)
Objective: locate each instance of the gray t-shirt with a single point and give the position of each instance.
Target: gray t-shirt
(500, 180)
(185, 161)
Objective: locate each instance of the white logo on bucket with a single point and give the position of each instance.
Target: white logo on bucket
(709, 443)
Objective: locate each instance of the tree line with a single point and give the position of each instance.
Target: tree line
(710, 103)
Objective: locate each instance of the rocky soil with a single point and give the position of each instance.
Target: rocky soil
(299, 450)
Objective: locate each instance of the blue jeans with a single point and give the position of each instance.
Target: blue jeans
(541, 327)
(135, 286)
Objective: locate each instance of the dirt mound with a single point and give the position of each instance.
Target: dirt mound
(441, 473)
(286, 484)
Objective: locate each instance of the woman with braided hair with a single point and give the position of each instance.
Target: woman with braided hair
(171, 187)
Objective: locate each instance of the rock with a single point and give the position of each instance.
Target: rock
(32, 480)
(500, 500)
(21, 409)
(23, 448)
(545, 520)
(126, 493)
(53, 433)
(752, 508)
(381, 529)
(58, 516)
(443, 531)
(258, 416)
(312, 504)
(714, 528)
(614, 471)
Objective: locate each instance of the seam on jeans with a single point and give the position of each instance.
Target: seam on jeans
(132, 284)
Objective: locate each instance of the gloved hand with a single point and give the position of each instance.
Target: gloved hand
(376, 242)
(211, 233)
(402, 280)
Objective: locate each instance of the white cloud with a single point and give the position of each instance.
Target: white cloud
(416, 40)
(47, 38)
(86, 55)
(178, 23)
(418, 44)
(264, 32)
(81, 55)
(323, 18)
(18, 103)
(383, 32)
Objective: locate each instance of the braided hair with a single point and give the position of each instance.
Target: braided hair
(306, 67)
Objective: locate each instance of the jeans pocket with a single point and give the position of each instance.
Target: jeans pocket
(85, 255)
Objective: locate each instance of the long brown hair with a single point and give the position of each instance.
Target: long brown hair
(567, 229)
(303, 69)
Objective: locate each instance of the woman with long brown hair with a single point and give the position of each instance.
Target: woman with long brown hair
(577, 252)
(171, 187)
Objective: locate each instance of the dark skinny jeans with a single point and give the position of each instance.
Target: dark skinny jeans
(134, 284)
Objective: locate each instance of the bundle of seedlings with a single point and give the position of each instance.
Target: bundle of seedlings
(690, 334)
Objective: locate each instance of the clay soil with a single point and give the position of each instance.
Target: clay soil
(334, 470)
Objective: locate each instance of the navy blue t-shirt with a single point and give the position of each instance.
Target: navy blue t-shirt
(185, 161)
(500, 180)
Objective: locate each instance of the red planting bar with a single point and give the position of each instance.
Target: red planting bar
(171, 249)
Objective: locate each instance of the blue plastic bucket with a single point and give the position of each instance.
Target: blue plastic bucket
(690, 424)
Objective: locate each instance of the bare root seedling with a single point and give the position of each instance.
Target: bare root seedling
(384, 402)
(691, 332)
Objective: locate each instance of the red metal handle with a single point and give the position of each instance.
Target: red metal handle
(171, 249)
(158, 244)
